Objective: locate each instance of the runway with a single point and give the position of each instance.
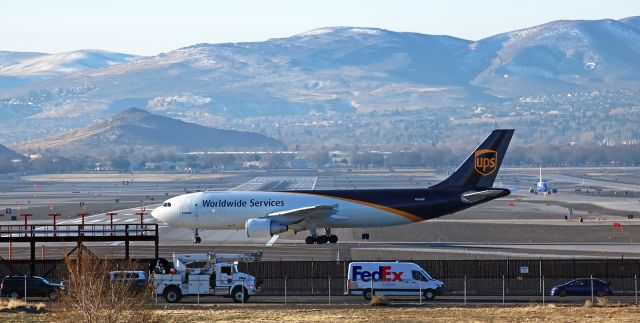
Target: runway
(520, 225)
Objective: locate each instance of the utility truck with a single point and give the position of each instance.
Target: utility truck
(204, 274)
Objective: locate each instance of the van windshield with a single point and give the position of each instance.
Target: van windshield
(426, 275)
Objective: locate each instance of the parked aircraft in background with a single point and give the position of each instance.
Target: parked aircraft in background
(542, 186)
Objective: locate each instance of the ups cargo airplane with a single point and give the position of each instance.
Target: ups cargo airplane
(265, 214)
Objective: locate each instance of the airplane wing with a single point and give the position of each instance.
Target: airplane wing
(305, 213)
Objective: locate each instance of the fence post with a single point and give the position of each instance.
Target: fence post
(465, 289)
(542, 290)
(243, 293)
(635, 283)
(329, 290)
(420, 294)
(285, 290)
(25, 288)
(540, 275)
(502, 289)
(372, 288)
(591, 289)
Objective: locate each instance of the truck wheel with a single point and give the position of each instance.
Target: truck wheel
(429, 294)
(367, 294)
(172, 294)
(240, 295)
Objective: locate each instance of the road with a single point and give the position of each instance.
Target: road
(402, 301)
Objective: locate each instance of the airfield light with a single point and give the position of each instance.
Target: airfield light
(141, 214)
(82, 215)
(111, 214)
(26, 216)
(54, 215)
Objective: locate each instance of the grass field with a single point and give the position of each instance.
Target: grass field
(304, 313)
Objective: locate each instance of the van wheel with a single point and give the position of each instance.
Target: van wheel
(172, 294)
(562, 293)
(368, 294)
(429, 294)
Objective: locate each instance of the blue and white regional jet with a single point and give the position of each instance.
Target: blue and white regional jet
(265, 214)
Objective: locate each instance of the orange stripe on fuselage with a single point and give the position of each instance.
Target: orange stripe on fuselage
(404, 214)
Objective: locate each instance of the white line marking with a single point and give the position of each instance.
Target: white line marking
(273, 240)
(313, 187)
(94, 221)
(129, 220)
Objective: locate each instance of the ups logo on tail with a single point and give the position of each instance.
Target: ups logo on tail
(486, 161)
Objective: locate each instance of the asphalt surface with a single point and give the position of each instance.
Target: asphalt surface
(521, 225)
(401, 300)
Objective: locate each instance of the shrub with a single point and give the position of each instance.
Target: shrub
(379, 301)
(92, 297)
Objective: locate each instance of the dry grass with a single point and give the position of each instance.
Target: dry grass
(13, 304)
(378, 300)
(403, 314)
(304, 313)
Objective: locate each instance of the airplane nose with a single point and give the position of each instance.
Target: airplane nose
(157, 214)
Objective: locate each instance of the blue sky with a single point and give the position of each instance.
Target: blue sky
(149, 27)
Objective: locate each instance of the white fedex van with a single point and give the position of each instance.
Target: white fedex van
(391, 279)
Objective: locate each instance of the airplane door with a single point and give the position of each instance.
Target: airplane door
(186, 206)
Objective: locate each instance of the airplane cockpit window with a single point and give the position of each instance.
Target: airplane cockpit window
(167, 204)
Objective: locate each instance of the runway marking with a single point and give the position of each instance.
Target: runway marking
(129, 220)
(273, 240)
(313, 187)
(94, 221)
(116, 243)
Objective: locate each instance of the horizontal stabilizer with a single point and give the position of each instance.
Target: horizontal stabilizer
(473, 197)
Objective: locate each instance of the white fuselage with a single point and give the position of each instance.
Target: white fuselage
(229, 210)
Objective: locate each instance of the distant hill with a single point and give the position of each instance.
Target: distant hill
(7, 153)
(323, 71)
(139, 129)
(24, 68)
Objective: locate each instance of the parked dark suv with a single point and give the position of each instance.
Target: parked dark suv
(14, 287)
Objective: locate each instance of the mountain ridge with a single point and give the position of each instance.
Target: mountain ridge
(337, 70)
(140, 129)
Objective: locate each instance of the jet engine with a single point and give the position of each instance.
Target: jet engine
(264, 227)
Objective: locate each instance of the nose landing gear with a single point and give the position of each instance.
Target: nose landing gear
(196, 237)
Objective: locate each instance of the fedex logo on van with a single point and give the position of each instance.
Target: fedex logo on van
(383, 274)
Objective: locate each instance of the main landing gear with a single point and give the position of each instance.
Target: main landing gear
(314, 238)
(196, 237)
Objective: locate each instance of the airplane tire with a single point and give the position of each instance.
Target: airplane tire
(322, 239)
(196, 240)
(333, 238)
(309, 240)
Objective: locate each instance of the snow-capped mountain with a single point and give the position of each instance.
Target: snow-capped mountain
(32, 64)
(18, 69)
(327, 69)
